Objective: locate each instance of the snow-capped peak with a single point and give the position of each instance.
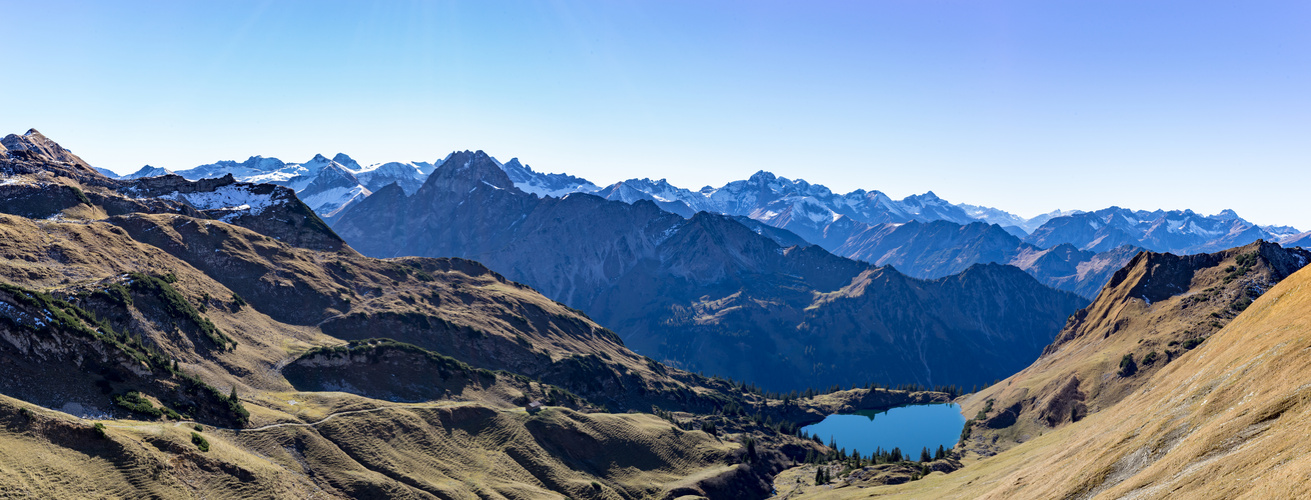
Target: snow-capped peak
(348, 162)
(542, 184)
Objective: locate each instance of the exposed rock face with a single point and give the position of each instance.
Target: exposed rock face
(1152, 311)
(709, 293)
(541, 184)
(40, 146)
(332, 191)
(48, 181)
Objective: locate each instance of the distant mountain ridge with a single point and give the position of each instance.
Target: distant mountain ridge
(922, 235)
(714, 294)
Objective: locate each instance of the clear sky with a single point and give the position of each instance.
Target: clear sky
(1025, 106)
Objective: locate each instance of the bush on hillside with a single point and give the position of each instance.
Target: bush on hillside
(1127, 366)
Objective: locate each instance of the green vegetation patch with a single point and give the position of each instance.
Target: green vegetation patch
(1244, 262)
(67, 317)
(200, 442)
(177, 306)
(61, 315)
(1127, 366)
(1191, 343)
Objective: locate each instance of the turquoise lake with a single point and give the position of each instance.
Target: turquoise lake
(910, 428)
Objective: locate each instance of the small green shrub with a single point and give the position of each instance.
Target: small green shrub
(1149, 358)
(1127, 366)
(136, 403)
(200, 442)
(81, 196)
(100, 430)
(176, 305)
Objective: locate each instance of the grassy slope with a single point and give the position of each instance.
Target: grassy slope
(382, 452)
(1226, 420)
(278, 300)
(1153, 307)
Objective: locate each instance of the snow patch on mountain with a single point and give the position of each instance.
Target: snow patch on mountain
(543, 184)
(235, 197)
(147, 171)
(330, 202)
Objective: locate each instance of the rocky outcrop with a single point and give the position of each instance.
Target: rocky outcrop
(36, 145)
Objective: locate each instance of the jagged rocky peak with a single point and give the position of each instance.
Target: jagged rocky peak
(544, 184)
(1226, 214)
(335, 174)
(761, 177)
(37, 144)
(514, 163)
(467, 170)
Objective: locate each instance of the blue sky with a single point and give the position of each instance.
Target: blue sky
(1026, 106)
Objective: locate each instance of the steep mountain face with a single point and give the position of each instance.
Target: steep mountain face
(332, 191)
(1151, 313)
(709, 293)
(543, 184)
(409, 175)
(1227, 419)
(934, 249)
(33, 143)
(1179, 232)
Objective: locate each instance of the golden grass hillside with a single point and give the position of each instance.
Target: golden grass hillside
(155, 346)
(1152, 312)
(103, 307)
(1228, 419)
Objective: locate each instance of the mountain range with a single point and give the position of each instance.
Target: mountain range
(168, 338)
(710, 294)
(923, 236)
(172, 338)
